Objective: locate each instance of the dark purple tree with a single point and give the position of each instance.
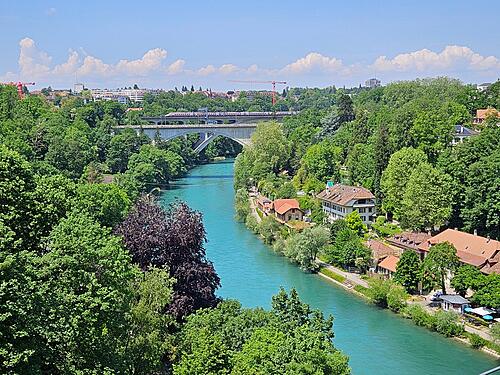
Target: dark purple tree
(172, 239)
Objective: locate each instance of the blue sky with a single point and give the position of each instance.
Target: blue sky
(164, 44)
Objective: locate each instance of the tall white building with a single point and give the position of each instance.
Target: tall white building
(372, 82)
(78, 88)
(340, 200)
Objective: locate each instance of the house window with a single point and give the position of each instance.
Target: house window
(370, 209)
(361, 210)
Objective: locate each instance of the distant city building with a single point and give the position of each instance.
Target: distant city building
(78, 88)
(483, 86)
(122, 95)
(372, 82)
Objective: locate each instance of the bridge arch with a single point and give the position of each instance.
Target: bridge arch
(239, 134)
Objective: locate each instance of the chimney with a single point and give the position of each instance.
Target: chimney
(488, 239)
(475, 232)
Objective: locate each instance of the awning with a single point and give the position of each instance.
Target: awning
(468, 309)
(482, 311)
(487, 317)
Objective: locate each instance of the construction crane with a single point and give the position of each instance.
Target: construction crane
(19, 86)
(274, 83)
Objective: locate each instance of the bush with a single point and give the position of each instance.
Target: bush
(378, 290)
(251, 223)
(331, 274)
(396, 298)
(420, 317)
(446, 323)
(476, 341)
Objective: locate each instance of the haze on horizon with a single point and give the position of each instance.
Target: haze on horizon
(167, 44)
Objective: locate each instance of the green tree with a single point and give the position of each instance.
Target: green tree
(322, 161)
(361, 165)
(347, 248)
(121, 147)
(106, 203)
(241, 204)
(441, 261)
(408, 271)
(466, 277)
(396, 177)
(291, 338)
(354, 222)
(303, 247)
(427, 200)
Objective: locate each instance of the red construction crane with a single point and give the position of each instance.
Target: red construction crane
(19, 86)
(271, 82)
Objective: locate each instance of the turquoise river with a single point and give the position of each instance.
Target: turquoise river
(376, 341)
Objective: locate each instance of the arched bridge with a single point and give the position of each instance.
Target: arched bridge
(238, 126)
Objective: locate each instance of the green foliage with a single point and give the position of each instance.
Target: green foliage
(291, 338)
(303, 247)
(396, 298)
(347, 249)
(487, 292)
(446, 323)
(385, 229)
(420, 316)
(269, 229)
(427, 202)
(321, 162)
(466, 277)
(476, 341)
(106, 203)
(252, 223)
(441, 260)
(397, 175)
(361, 165)
(148, 329)
(121, 147)
(408, 271)
(268, 154)
(354, 222)
(241, 204)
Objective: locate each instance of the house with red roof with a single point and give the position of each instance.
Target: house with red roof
(388, 265)
(287, 209)
(480, 252)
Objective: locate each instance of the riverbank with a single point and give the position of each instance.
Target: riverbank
(356, 285)
(376, 341)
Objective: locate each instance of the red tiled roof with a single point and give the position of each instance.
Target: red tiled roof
(483, 113)
(379, 249)
(283, 205)
(389, 263)
(342, 194)
(409, 239)
(471, 249)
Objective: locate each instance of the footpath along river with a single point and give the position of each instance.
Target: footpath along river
(376, 340)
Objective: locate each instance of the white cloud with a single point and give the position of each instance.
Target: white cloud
(426, 60)
(176, 67)
(32, 62)
(151, 61)
(35, 64)
(315, 62)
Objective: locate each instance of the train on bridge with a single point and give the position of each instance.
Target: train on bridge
(203, 117)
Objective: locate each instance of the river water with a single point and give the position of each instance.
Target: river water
(376, 340)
